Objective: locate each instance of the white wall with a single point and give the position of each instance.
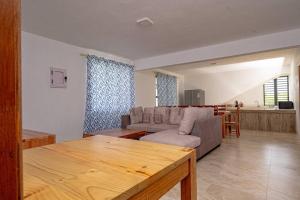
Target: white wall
(144, 88)
(54, 110)
(225, 87)
(295, 86)
(251, 97)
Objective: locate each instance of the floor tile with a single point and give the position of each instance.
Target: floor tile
(258, 165)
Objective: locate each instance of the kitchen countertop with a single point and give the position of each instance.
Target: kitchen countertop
(262, 109)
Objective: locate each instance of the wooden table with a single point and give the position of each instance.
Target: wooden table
(118, 132)
(103, 167)
(32, 138)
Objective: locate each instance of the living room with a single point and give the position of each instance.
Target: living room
(214, 85)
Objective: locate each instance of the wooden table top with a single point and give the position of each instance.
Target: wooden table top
(99, 167)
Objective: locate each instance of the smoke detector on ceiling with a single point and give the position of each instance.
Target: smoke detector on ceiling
(145, 22)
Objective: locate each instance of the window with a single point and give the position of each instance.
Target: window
(110, 93)
(166, 90)
(276, 90)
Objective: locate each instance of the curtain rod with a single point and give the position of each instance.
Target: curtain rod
(116, 60)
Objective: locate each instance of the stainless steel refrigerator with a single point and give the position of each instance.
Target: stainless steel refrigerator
(194, 97)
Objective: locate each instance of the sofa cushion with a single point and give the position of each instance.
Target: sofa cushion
(148, 115)
(136, 115)
(161, 127)
(205, 113)
(187, 123)
(191, 114)
(161, 115)
(140, 126)
(172, 137)
(176, 115)
(158, 119)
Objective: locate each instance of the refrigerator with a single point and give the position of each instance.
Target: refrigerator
(194, 97)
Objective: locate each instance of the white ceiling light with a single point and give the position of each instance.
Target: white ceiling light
(144, 21)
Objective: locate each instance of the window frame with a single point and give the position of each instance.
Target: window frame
(276, 90)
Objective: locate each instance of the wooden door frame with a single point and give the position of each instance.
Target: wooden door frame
(10, 101)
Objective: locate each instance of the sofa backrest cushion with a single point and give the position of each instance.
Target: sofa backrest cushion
(158, 119)
(148, 115)
(161, 115)
(205, 113)
(136, 115)
(191, 114)
(176, 115)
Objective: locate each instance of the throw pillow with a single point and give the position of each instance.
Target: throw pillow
(158, 119)
(148, 116)
(191, 114)
(176, 115)
(136, 115)
(187, 123)
(164, 112)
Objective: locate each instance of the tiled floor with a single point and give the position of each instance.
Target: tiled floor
(258, 165)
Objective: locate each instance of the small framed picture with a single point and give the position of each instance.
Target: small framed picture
(58, 78)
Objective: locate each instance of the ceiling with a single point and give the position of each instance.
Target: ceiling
(110, 26)
(258, 60)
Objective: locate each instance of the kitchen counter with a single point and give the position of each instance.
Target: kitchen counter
(263, 109)
(267, 119)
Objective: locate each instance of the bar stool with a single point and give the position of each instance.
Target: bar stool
(232, 123)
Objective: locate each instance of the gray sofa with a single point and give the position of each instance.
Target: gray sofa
(205, 134)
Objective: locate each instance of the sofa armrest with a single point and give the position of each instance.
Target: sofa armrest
(209, 130)
(125, 121)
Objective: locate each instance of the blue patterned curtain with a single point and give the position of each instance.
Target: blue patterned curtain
(166, 89)
(110, 93)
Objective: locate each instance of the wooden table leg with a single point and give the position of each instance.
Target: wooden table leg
(189, 183)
